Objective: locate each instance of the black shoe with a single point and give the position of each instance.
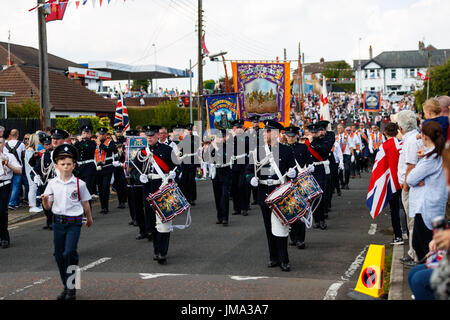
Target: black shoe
(323, 225)
(193, 203)
(273, 264)
(155, 257)
(121, 206)
(135, 224)
(225, 223)
(254, 203)
(131, 223)
(339, 194)
(285, 267)
(316, 225)
(162, 259)
(218, 222)
(292, 243)
(236, 213)
(346, 187)
(5, 244)
(71, 294)
(141, 236)
(150, 238)
(301, 245)
(244, 213)
(46, 227)
(62, 295)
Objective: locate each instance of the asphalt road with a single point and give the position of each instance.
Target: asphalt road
(205, 262)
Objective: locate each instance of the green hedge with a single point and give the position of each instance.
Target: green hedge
(166, 114)
(28, 109)
(72, 125)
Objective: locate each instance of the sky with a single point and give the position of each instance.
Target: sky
(125, 31)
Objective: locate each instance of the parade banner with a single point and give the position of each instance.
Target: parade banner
(133, 146)
(372, 101)
(263, 90)
(222, 110)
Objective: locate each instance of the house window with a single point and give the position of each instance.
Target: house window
(393, 74)
(372, 73)
(365, 74)
(378, 73)
(2, 108)
(412, 73)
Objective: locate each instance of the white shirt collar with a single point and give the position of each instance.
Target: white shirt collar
(71, 180)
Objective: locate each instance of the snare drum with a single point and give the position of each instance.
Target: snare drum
(288, 203)
(308, 185)
(168, 202)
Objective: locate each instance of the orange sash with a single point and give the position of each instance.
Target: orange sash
(101, 158)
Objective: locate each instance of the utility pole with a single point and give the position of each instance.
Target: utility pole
(200, 65)
(190, 88)
(43, 68)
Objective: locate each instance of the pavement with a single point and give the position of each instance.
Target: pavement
(399, 288)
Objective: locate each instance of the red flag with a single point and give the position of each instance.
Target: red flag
(205, 51)
(57, 11)
(422, 76)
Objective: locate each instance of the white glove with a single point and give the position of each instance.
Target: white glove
(143, 178)
(116, 164)
(352, 159)
(291, 173)
(37, 180)
(254, 181)
(357, 152)
(310, 168)
(341, 165)
(172, 175)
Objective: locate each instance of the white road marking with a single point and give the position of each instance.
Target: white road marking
(244, 278)
(372, 229)
(334, 288)
(147, 276)
(41, 281)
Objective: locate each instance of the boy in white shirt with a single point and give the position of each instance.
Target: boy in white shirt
(67, 197)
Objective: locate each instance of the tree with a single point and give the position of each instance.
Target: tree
(28, 109)
(439, 78)
(339, 69)
(138, 83)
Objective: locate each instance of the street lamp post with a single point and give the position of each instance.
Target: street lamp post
(156, 79)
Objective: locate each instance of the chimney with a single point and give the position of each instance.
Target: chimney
(370, 53)
(322, 60)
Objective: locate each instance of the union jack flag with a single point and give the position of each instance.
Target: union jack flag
(384, 181)
(121, 117)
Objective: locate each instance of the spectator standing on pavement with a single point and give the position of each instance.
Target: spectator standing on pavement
(407, 123)
(428, 188)
(17, 149)
(32, 191)
(432, 110)
(8, 167)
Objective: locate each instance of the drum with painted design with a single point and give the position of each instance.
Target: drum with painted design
(168, 202)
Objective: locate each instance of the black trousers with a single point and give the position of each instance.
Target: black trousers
(278, 246)
(160, 243)
(319, 175)
(48, 213)
(104, 188)
(345, 176)
(335, 185)
(394, 205)
(421, 237)
(221, 190)
(239, 191)
(135, 201)
(188, 184)
(298, 231)
(5, 193)
(120, 184)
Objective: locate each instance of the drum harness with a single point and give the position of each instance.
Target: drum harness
(149, 160)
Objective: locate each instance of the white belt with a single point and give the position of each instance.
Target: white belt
(326, 165)
(109, 158)
(5, 183)
(154, 176)
(85, 162)
(222, 165)
(270, 182)
(233, 158)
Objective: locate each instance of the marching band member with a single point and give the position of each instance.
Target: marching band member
(68, 198)
(44, 168)
(343, 138)
(357, 143)
(304, 159)
(239, 187)
(153, 164)
(376, 139)
(328, 138)
(188, 149)
(104, 158)
(267, 179)
(220, 158)
(365, 147)
(119, 164)
(86, 169)
(254, 133)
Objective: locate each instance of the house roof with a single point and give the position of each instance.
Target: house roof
(65, 94)
(318, 67)
(29, 56)
(407, 59)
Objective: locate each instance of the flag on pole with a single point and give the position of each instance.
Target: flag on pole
(204, 49)
(324, 107)
(57, 10)
(384, 180)
(121, 117)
